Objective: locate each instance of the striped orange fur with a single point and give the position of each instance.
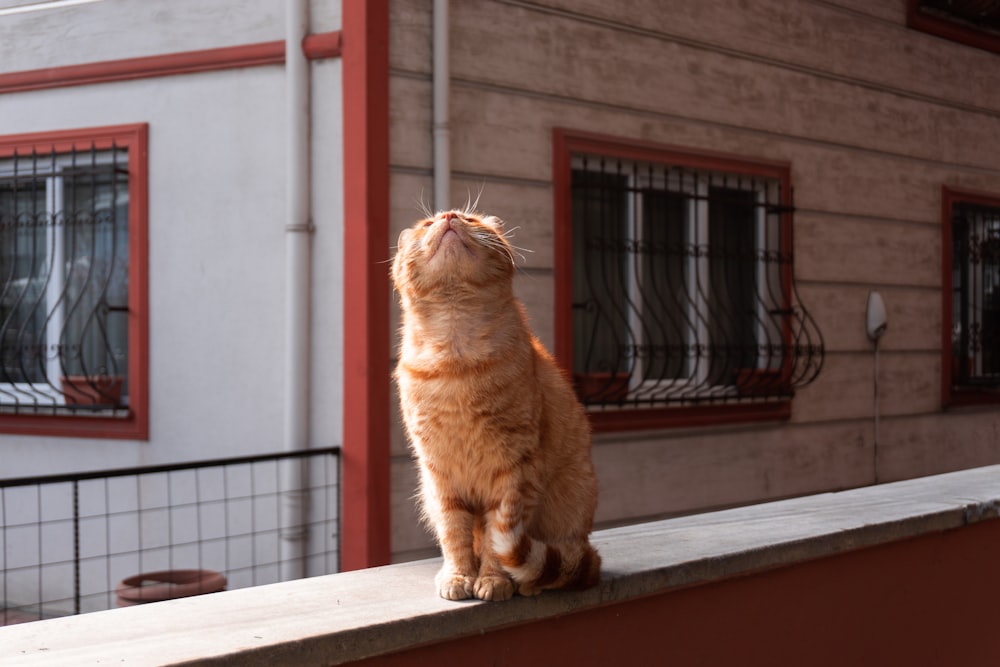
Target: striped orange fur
(503, 445)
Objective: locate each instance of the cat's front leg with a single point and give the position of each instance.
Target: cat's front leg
(494, 583)
(457, 577)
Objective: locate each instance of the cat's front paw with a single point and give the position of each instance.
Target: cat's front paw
(494, 587)
(452, 586)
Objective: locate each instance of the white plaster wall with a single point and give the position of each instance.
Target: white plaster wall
(112, 29)
(216, 244)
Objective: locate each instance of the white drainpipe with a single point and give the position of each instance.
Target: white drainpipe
(298, 237)
(440, 83)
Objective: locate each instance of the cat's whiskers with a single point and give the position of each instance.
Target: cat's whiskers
(502, 246)
(471, 205)
(423, 207)
(507, 236)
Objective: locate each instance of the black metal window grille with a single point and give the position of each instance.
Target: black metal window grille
(682, 287)
(64, 295)
(975, 301)
(66, 541)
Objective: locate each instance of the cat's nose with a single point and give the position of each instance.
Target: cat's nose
(450, 218)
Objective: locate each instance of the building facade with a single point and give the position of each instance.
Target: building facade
(195, 98)
(171, 226)
(870, 115)
(710, 194)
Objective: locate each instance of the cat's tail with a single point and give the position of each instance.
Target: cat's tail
(534, 565)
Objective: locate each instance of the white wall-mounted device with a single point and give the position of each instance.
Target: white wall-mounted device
(876, 318)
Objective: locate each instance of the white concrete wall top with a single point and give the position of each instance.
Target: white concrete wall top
(345, 617)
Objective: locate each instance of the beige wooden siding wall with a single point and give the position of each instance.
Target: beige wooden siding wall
(874, 118)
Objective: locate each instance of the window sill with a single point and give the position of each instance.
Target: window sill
(130, 427)
(952, 30)
(345, 617)
(962, 398)
(616, 420)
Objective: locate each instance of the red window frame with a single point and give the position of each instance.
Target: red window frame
(566, 143)
(952, 394)
(953, 30)
(135, 425)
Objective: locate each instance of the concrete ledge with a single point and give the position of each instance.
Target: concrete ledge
(346, 617)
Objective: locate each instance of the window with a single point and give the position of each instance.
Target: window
(971, 263)
(972, 22)
(73, 330)
(674, 285)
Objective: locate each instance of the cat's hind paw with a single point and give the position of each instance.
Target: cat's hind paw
(494, 587)
(454, 586)
(527, 590)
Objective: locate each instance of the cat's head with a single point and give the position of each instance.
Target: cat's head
(450, 251)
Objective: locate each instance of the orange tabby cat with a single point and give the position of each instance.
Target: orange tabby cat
(507, 482)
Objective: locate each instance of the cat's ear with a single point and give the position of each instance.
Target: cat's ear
(404, 237)
(494, 222)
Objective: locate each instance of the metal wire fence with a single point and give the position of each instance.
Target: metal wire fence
(68, 541)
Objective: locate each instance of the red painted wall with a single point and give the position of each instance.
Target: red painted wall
(933, 600)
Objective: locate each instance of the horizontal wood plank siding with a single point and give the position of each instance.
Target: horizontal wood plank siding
(873, 118)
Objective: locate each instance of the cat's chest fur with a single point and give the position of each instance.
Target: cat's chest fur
(455, 407)
(471, 406)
